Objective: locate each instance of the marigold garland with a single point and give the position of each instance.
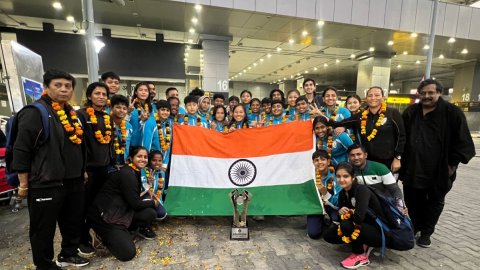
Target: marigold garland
(160, 186)
(75, 132)
(284, 120)
(333, 116)
(120, 146)
(103, 139)
(363, 122)
(199, 120)
(138, 105)
(133, 167)
(164, 140)
(348, 239)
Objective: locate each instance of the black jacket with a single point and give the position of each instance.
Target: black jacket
(456, 144)
(119, 198)
(47, 164)
(361, 198)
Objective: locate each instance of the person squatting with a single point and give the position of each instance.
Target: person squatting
(111, 158)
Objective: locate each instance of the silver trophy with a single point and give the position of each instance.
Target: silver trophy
(239, 227)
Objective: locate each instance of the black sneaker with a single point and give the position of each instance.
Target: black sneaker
(86, 250)
(147, 233)
(424, 241)
(71, 261)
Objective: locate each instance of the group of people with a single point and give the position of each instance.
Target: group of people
(111, 158)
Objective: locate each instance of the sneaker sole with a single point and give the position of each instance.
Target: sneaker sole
(357, 266)
(84, 254)
(146, 237)
(162, 218)
(424, 246)
(65, 264)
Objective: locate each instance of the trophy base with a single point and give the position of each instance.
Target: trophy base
(239, 234)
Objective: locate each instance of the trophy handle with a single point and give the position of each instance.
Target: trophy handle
(233, 197)
(248, 196)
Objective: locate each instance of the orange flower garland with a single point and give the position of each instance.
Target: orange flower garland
(120, 149)
(199, 120)
(133, 167)
(75, 132)
(363, 122)
(329, 148)
(139, 107)
(164, 140)
(160, 186)
(356, 231)
(103, 139)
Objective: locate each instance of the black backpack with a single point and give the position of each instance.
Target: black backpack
(11, 133)
(398, 226)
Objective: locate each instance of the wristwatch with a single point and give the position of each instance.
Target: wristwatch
(398, 157)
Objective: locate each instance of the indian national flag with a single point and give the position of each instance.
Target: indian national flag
(273, 163)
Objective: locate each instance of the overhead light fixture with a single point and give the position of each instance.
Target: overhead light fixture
(291, 41)
(191, 31)
(254, 64)
(321, 23)
(249, 68)
(194, 20)
(464, 51)
(441, 56)
(269, 55)
(352, 56)
(244, 71)
(70, 19)
(426, 47)
(57, 5)
(475, 5)
(325, 65)
(306, 71)
(284, 78)
(315, 68)
(405, 53)
(451, 40)
(186, 54)
(304, 33)
(337, 61)
(98, 44)
(417, 62)
(261, 59)
(414, 35)
(371, 49)
(291, 76)
(399, 66)
(198, 7)
(298, 74)
(390, 43)
(279, 49)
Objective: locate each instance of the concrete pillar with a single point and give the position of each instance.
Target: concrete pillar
(373, 71)
(466, 85)
(215, 63)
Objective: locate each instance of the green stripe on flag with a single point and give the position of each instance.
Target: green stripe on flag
(294, 199)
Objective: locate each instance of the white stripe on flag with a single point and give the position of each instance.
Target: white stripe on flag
(208, 172)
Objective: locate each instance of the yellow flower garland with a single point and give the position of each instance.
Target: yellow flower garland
(356, 231)
(103, 139)
(120, 149)
(363, 123)
(74, 133)
(164, 140)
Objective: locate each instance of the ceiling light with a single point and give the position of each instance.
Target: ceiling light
(198, 7)
(414, 35)
(441, 56)
(269, 55)
(464, 51)
(390, 43)
(244, 71)
(405, 53)
(291, 76)
(279, 49)
(352, 56)
(254, 64)
(451, 40)
(426, 47)
(298, 74)
(325, 65)
(284, 78)
(399, 66)
(321, 23)
(186, 54)
(417, 62)
(249, 68)
(315, 68)
(337, 61)
(304, 33)
(240, 74)
(57, 5)
(194, 20)
(191, 31)
(70, 19)
(306, 71)
(291, 41)
(261, 59)
(371, 49)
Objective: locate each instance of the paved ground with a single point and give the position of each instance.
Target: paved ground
(277, 243)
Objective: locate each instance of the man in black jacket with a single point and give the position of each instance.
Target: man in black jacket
(51, 173)
(438, 139)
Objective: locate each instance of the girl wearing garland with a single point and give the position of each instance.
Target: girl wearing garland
(239, 120)
(331, 109)
(356, 227)
(142, 119)
(353, 103)
(165, 130)
(123, 129)
(277, 114)
(266, 109)
(246, 97)
(153, 184)
(381, 128)
(254, 116)
(335, 145)
(277, 94)
(303, 111)
(232, 102)
(292, 96)
(192, 118)
(204, 108)
(98, 134)
(118, 208)
(329, 189)
(219, 122)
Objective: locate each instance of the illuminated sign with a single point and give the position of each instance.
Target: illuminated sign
(399, 100)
